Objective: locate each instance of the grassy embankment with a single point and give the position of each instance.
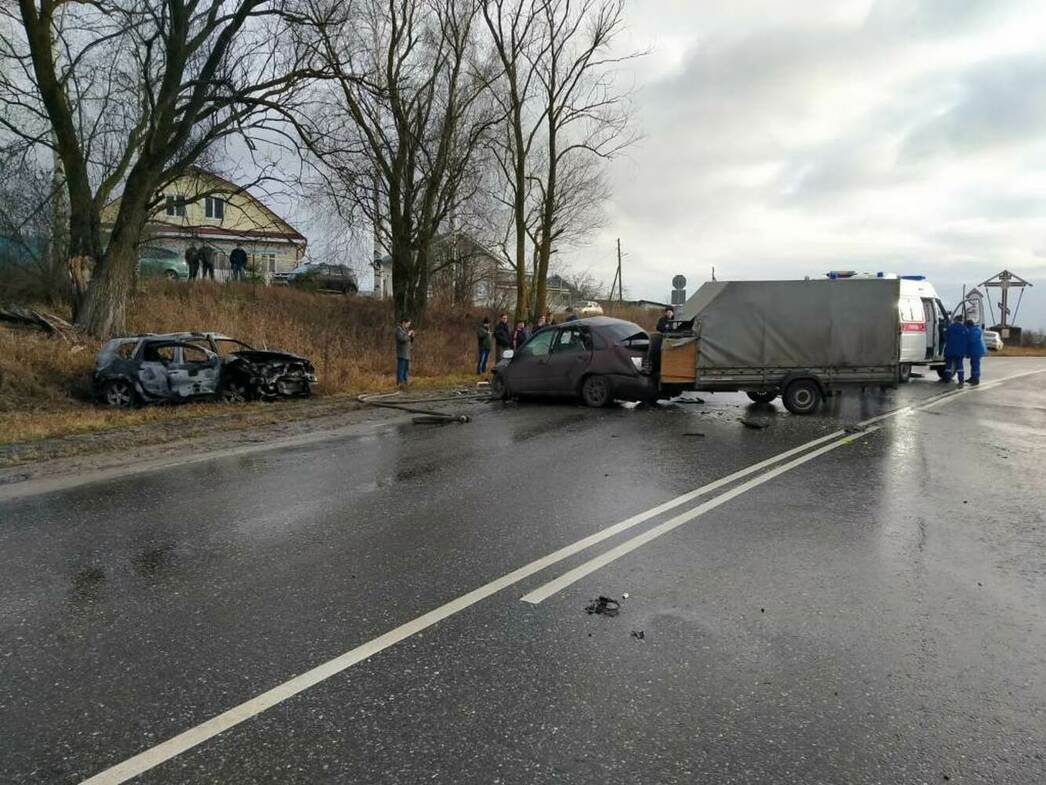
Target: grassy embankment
(45, 382)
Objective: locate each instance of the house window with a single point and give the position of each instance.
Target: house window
(176, 205)
(265, 262)
(215, 207)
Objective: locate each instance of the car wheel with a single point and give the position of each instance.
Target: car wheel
(235, 392)
(118, 394)
(802, 396)
(595, 391)
(904, 373)
(762, 397)
(170, 275)
(498, 388)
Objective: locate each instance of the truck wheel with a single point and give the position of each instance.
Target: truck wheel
(802, 396)
(904, 372)
(119, 394)
(595, 392)
(942, 373)
(762, 397)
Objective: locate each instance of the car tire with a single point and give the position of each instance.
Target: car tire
(762, 397)
(235, 392)
(170, 275)
(119, 394)
(904, 373)
(595, 391)
(498, 388)
(802, 396)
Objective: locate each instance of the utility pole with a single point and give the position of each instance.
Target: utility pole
(617, 277)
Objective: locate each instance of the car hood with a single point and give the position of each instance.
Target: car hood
(264, 356)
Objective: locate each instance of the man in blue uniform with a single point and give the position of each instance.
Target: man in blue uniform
(975, 350)
(955, 350)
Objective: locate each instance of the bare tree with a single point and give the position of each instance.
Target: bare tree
(398, 130)
(565, 117)
(129, 94)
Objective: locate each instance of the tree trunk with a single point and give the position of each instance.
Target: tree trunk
(547, 220)
(102, 309)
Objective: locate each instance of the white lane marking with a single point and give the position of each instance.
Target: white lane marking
(629, 545)
(548, 589)
(154, 756)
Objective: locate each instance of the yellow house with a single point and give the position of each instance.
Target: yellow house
(203, 208)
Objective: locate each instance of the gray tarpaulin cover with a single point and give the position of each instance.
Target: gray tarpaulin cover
(796, 324)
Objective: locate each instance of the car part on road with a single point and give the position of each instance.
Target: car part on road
(754, 424)
(603, 606)
(427, 416)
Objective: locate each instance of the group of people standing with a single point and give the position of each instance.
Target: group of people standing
(502, 336)
(963, 339)
(201, 262)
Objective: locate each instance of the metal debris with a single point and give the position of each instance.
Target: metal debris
(603, 606)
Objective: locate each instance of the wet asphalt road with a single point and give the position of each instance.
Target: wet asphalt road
(875, 615)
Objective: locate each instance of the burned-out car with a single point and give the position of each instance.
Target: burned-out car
(178, 367)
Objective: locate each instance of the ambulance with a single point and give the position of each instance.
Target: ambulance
(924, 321)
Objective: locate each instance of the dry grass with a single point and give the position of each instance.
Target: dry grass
(1023, 351)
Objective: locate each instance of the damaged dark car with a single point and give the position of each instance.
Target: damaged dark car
(597, 360)
(178, 367)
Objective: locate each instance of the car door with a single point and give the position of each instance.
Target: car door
(152, 368)
(570, 357)
(195, 371)
(933, 348)
(528, 369)
(913, 329)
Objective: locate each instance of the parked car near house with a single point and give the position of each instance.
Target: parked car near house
(156, 262)
(178, 367)
(335, 277)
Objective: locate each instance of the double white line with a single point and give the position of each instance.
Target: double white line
(154, 756)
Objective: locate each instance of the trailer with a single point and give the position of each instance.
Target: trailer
(802, 340)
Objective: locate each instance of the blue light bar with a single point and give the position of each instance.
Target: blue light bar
(914, 277)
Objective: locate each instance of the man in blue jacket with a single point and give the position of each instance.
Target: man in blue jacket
(955, 350)
(975, 350)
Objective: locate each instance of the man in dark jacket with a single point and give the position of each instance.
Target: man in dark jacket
(192, 258)
(664, 324)
(571, 316)
(502, 336)
(404, 338)
(520, 336)
(955, 350)
(975, 350)
(207, 262)
(238, 263)
(485, 339)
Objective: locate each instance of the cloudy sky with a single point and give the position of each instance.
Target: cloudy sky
(787, 139)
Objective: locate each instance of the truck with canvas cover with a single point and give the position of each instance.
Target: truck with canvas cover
(801, 340)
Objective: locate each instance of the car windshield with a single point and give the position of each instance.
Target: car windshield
(303, 268)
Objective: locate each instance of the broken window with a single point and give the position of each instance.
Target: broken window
(159, 353)
(194, 354)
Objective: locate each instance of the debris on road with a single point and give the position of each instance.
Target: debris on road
(427, 416)
(638, 634)
(698, 434)
(603, 606)
(748, 422)
(854, 428)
